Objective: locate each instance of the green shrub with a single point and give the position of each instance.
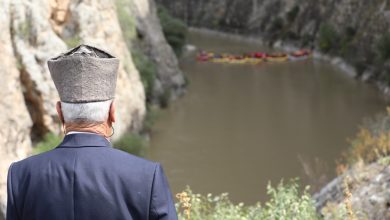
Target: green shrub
(132, 143)
(384, 46)
(73, 41)
(24, 30)
(306, 40)
(126, 20)
(290, 35)
(346, 47)
(175, 30)
(293, 13)
(152, 114)
(286, 202)
(49, 142)
(147, 71)
(165, 98)
(328, 38)
(277, 24)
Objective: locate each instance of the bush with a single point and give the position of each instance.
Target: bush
(132, 143)
(328, 38)
(152, 114)
(147, 71)
(384, 46)
(175, 30)
(72, 41)
(24, 30)
(49, 142)
(306, 40)
(165, 98)
(277, 24)
(286, 203)
(293, 13)
(372, 141)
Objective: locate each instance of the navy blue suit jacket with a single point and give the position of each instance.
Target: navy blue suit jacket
(85, 178)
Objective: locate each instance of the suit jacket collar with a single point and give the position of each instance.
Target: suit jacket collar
(84, 140)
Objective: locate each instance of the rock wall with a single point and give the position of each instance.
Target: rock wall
(14, 117)
(368, 192)
(354, 28)
(36, 30)
(169, 77)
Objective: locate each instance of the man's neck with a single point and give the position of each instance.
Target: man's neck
(97, 128)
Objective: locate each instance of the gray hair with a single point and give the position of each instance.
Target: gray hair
(90, 112)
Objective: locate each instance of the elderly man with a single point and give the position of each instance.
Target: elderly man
(84, 177)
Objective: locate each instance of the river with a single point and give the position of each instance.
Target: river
(241, 126)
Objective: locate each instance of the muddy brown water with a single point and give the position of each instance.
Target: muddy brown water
(241, 126)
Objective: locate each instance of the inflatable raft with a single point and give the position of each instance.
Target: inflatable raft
(252, 58)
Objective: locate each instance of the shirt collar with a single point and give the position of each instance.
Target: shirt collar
(84, 139)
(79, 132)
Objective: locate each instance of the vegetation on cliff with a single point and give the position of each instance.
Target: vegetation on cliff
(174, 29)
(147, 70)
(372, 142)
(132, 143)
(175, 32)
(48, 142)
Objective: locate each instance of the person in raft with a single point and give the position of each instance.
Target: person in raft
(85, 177)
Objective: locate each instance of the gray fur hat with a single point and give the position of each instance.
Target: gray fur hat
(84, 74)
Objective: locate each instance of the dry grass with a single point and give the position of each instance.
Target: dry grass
(347, 201)
(372, 141)
(185, 204)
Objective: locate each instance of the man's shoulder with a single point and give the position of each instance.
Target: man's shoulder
(130, 158)
(108, 155)
(31, 160)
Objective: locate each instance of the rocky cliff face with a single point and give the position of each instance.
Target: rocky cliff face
(41, 31)
(355, 30)
(169, 78)
(15, 139)
(364, 187)
(34, 31)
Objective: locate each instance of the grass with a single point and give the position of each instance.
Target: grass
(132, 143)
(49, 141)
(175, 30)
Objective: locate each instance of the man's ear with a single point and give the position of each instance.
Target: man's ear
(59, 112)
(111, 114)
